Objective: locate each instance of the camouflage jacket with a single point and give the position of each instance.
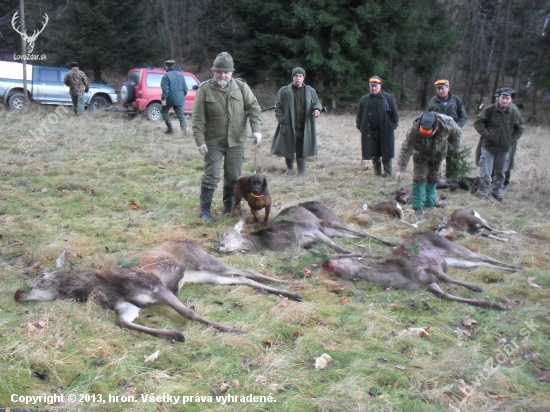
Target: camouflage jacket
(453, 107)
(77, 81)
(221, 114)
(433, 148)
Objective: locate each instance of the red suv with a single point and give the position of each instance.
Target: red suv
(141, 92)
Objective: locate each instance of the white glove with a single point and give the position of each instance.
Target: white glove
(203, 149)
(257, 137)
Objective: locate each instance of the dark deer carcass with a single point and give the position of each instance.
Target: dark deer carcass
(152, 276)
(419, 263)
(470, 221)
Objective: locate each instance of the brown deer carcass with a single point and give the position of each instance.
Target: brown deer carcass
(390, 207)
(303, 225)
(152, 276)
(470, 221)
(419, 263)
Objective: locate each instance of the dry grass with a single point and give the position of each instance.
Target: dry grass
(73, 189)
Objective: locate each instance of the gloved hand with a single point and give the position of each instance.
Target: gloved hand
(203, 149)
(256, 137)
(399, 176)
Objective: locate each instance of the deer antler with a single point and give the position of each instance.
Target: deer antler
(13, 20)
(37, 32)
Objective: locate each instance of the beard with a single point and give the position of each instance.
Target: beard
(222, 83)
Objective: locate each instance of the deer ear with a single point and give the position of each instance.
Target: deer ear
(60, 261)
(445, 220)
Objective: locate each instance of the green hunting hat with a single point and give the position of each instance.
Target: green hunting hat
(298, 70)
(223, 62)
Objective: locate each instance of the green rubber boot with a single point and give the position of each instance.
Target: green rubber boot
(206, 202)
(430, 195)
(418, 196)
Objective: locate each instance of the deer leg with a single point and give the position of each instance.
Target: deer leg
(443, 277)
(436, 290)
(127, 313)
(314, 236)
(467, 264)
(164, 295)
(332, 232)
(456, 250)
(205, 277)
(483, 234)
(362, 233)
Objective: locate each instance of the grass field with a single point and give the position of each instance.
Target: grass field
(68, 182)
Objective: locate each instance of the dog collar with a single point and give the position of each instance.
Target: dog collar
(253, 195)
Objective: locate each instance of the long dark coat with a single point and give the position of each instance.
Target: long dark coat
(284, 141)
(389, 119)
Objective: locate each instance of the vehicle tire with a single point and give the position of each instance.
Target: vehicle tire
(98, 103)
(153, 112)
(127, 93)
(16, 101)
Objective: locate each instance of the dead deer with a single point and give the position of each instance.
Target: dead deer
(418, 263)
(297, 228)
(389, 206)
(334, 226)
(469, 220)
(304, 225)
(151, 276)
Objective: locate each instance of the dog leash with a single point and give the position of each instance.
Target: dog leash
(255, 158)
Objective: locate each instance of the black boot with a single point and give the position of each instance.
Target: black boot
(206, 202)
(169, 129)
(377, 166)
(387, 167)
(289, 166)
(301, 161)
(183, 128)
(228, 200)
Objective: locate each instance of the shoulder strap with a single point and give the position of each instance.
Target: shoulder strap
(386, 101)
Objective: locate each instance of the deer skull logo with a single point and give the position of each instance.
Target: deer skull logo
(29, 40)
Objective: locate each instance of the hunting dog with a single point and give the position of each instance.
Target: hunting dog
(253, 188)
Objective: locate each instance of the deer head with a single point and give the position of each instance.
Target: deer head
(29, 40)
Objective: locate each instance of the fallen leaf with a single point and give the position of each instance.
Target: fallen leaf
(282, 302)
(428, 385)
(462, 389)
(151, 357)
(218, 390)
(161, 166)
(469, 322)
(308, 272)
(530, 282)
(275, 388)
(269, 342)
(500, 397)
(158, 375)
(462, 334)
(134, 205)
(415, 332)
(297, 334)
(262, 380)
(335, 287)
(322, 361)
(235, 383)
(344, 300)
(401, 368)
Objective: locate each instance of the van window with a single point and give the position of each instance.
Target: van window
(134, 77)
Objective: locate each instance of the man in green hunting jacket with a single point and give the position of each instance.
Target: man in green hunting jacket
(78, 85)
(500, 126)
(427, 141)
(174, 90)
(450, 104)
(222, 107)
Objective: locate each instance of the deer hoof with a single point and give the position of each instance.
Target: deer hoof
(476, 288)
(178, 336)
(297, 297)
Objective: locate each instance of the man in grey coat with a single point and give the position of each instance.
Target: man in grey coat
(296, 109)
(377, 118)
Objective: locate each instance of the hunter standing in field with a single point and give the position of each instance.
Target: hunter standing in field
(377, 118)
(500, 126)
(222, 107)
(174, 90)
(450, 104)
(296, 109)
(427, 141)
(78, 85)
